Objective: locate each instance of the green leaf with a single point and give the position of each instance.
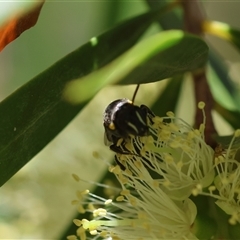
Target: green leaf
(203, 221)
(33, 115)
(161, 56)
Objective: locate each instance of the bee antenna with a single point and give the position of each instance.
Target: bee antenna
(135, 92)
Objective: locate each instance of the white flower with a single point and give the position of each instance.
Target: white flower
(145, 212)
(227, 182)
(175, 155)
(158, 175)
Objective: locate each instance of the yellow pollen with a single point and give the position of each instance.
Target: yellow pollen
(91, 207)
(108, 201)
(124, 181)
(133, 201)
(71, 237)
(103, 234)
(81, 233)
(179, 164)
(128, 172)
(74, 202)
(150, 139)
(147, 227)
(138, 164)
(95, 154)
(199, 186)
(112, 126)
(201, 127)
(157, 120)
(170, 114)
(173, 127)
(76, 177)
(174, 144)
(165, 135)
(111, 168)
(197, 132)
(142, 215)
(211, 188)
(232, 221)
(219, 159)
(101, 212)
(81, 209)
(125, 192)
(93, 232)
(116, 170)
(81, 194)
(201, 105)
(197, 190)
(120, 199)
(191, 135)
(234, 218)
(237, 133)
(168, 159)
(77, 222)
(85, 223)
(225, 181)
(129, 146)
(143, 151)
(155, 183)
(166, 183)
(114, 237)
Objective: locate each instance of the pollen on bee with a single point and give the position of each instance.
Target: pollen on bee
(112, 126)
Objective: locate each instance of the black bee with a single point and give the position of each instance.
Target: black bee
(122, 118)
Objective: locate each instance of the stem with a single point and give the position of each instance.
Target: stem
(193, 19)
(193, 16)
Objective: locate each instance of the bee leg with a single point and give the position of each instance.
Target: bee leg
(117, 149)
(147, 110)
(150, 115)
(119, 163)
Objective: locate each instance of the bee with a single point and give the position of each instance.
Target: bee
(122, 118)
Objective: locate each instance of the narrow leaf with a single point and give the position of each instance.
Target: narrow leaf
(33, 115)
(161, 56)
